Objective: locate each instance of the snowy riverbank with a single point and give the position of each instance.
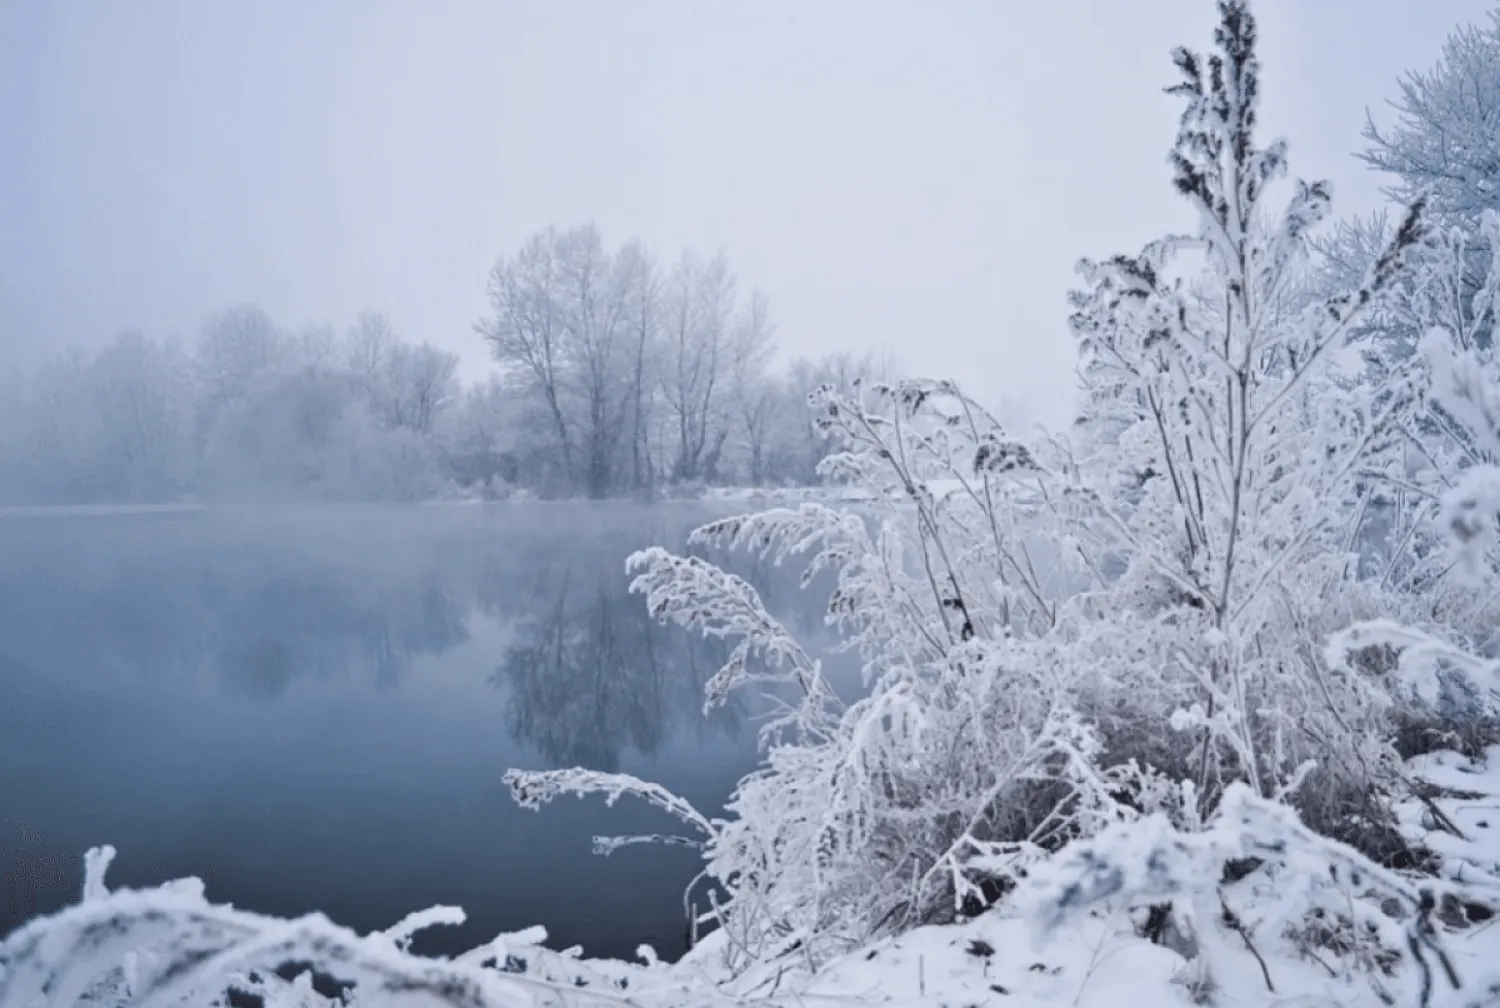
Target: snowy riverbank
(130, 939)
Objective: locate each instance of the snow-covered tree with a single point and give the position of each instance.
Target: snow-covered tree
(696, 363)
(799, 444)
(234, 348)
(566, 326)
(1431, 336)
(753, 396)
(632, 376)
(1441, 148)
(1451, 494)
(479, 436)
(1443, 144)
(141, 392)
(115, 425)
(403, 386)
(1432, 660)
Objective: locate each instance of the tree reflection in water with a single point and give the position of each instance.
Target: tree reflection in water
(589, 674)
(324, 623)
(199, 690)
(592, 674)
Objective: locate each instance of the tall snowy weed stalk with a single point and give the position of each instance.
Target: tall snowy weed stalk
(1217, 470)
(1199, 531)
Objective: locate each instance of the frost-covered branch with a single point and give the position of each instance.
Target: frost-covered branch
(169, 946)
(532, 789)
(699, 596)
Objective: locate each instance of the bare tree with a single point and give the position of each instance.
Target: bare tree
(371, 344)
(639, 375)
(235, 347)
(754, 393)
(597, 291)
(645, 321)
(423, 383)
(527, 330)
(404, 386)
(139, 395)
(700, 308)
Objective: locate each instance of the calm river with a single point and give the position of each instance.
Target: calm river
(311, 709)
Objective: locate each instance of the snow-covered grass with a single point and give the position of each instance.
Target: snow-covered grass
(1460, 821)
(995, 960)
(1100, 958)
(1102, 961)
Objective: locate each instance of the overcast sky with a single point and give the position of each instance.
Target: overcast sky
(917, 175)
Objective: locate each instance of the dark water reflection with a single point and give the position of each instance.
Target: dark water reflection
(312, 709)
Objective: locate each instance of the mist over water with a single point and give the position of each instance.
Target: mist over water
(311, 708)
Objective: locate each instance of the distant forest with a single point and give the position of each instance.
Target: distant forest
(615, 376)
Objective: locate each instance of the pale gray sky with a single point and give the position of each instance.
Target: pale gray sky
(919, 175)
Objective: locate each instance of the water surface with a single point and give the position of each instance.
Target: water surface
(312, 709)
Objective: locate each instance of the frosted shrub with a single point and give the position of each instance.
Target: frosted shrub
(1438, 557)
(1052, 633)
(1225, 434)
(870, 816)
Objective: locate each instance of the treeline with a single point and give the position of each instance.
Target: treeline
(626, 375)
(615, 378)
(249, 411)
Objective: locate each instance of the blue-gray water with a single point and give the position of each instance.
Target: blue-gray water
(312, 709)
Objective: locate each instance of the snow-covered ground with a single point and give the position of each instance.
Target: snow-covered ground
(995, 959)
(1100, 962)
